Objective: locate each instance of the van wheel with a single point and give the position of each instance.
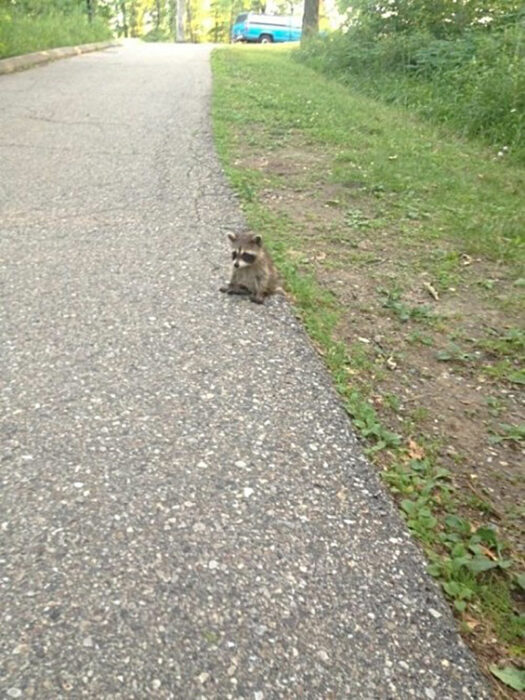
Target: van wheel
(265, 39)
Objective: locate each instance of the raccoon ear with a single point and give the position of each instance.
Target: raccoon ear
(232, 236)
(257, 240)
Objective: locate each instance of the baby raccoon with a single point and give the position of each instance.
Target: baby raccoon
(253, 272)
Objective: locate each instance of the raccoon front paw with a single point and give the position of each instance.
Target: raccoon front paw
(224, 289)
(257, 299)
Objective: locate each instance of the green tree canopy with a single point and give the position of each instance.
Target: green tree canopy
(438, 17)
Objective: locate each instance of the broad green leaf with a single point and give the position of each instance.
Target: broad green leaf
(408, 506)
(453, 522)
(504, 563)
(453, 588)
(479, 564)
(513, 677)
(458, 550)
(487, 535)
(435, 570)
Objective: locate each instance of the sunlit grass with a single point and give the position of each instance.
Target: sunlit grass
(20, 33)
(447, 188)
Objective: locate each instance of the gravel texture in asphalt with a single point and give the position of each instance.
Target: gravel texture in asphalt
(184, 509)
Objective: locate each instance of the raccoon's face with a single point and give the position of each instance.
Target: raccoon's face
(246, 248)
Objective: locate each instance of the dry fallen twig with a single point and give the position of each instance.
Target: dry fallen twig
(431, 290)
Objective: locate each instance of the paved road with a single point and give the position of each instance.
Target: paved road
(184, 511)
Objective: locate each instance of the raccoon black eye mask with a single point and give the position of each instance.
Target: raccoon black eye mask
(246, 257)
(253, 272)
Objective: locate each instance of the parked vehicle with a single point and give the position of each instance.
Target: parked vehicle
(266, 29)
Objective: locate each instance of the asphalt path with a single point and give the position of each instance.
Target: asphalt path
(184, 510)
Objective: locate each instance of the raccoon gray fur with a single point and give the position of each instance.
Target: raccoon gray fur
(253, 271)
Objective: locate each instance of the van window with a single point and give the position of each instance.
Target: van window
(241, 18)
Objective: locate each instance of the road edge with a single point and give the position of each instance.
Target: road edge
(29, 60)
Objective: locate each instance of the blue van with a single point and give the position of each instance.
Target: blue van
(266, 29)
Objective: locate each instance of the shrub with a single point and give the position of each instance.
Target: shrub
(23, 33)
(475, 82)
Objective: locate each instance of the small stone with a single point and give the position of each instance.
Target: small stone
(240, 463)
(258, 695)
(21, 649)
(431, 694)
(213, 564)
(88, 642)
(14, 692)
(434, 613)
(203, 677)
(323, 655)
(247, 492)
(156, 684)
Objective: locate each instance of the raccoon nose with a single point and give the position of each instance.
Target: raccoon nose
(236, 264)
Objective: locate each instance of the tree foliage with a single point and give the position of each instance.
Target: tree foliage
(461, 63)
(154, 20)
(440, 18)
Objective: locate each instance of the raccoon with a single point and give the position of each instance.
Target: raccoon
(253, 271)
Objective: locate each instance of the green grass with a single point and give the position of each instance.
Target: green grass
(475, 83)
(436, 185)
(20, 34)
(440, 199)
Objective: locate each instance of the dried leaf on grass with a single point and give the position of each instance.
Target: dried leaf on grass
(415, 451)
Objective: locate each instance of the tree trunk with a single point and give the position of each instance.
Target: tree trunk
(125, 28)
(310, 19)
(189, 22)
(181, 11)
(172, 18)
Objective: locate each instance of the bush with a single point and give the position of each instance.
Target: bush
(21, 33)
(475, 83)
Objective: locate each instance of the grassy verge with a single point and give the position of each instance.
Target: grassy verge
(402, 248)
(474, 83)
(20, 33)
